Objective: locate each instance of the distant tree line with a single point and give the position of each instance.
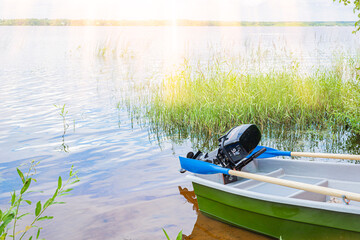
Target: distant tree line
(35, 22)
(68, 22)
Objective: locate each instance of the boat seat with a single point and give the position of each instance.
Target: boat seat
(273, 189)
(248, 183)
(301, 194)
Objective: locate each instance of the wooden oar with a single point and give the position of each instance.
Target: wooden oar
(201, 167)
(271, 152)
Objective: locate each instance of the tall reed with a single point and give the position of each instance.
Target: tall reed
(214, 97)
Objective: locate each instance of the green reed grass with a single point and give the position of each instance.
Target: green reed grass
(115, 48)
(178, 237)
(215, 97)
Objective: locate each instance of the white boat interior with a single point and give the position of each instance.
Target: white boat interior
(342, 176)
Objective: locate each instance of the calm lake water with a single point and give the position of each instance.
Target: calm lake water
(130, 185)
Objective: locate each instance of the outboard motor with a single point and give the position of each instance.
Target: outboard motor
(234, 146)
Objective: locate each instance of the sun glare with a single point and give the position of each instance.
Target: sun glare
(252, 3)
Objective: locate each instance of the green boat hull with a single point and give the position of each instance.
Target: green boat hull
(276, 219)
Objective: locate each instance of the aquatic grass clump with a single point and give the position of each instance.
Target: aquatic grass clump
(214, 98)
(115, 48)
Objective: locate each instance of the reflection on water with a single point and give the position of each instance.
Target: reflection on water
(286, 138)
(314, 139)
(206, 228)
(190, 197)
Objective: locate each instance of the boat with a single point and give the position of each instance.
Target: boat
(278, 211)
(283, 212)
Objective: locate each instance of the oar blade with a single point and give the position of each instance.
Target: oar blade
(201, 167)
(270, 152)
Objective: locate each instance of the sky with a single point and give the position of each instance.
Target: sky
(224, 10)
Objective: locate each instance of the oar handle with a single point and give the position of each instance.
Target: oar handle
(299, 185)
(325, 155)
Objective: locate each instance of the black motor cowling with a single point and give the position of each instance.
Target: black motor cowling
(234, 146)
(237, 143)
(234, 149)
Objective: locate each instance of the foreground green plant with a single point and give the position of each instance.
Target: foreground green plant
(9, 218)
(356, 9)
(179, 236)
